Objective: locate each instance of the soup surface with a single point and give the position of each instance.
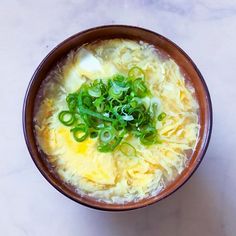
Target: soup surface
(142, 160)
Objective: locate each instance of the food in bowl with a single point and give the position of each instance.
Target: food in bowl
(117, 120)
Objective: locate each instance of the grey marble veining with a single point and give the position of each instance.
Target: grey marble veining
(206, 30)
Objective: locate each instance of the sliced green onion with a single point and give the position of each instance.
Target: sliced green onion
(99, 104)
(111, 109)
(71, 100)
(93, 134)
(139, 115)
(139, 88)
(136, 72)
(107, 134)
(162, 116)
(66, 118)
(120, 80)
(135, 102)
(128, 117)
(95, 91)
(127, 149)
(109, 147)
(118, 122)
(87, 101)
(114, 103)
(149, 136)
(115, 92)
(94, 114)
(80, 132)
(83, 110)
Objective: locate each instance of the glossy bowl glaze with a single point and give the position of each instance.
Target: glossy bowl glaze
(108, 32)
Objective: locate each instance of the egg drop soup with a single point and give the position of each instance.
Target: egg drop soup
(117, 120)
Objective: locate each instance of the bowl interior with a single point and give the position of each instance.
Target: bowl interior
(107, 32)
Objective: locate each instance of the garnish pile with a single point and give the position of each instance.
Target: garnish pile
(110, 111)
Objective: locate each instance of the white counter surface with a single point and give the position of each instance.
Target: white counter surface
(206, 205)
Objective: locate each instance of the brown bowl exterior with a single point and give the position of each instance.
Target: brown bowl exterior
(108, 32)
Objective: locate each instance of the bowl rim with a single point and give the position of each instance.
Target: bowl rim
(125, 207)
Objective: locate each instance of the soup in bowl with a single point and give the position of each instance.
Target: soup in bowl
(118, 117)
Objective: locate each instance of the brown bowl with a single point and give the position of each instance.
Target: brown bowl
(107, 32)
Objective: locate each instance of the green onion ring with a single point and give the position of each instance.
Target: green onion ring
(63, 118)
(127, 149)
(162, 116)
(136, 72)
(107, 134)
(148, 136)
(80, 128)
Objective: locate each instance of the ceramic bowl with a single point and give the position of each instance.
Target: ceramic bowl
(108, 32)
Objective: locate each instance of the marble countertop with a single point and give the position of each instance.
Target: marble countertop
(206, 30)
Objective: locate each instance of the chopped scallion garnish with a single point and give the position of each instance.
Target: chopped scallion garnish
(162, 116)
(80, 132)
(110, 110)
